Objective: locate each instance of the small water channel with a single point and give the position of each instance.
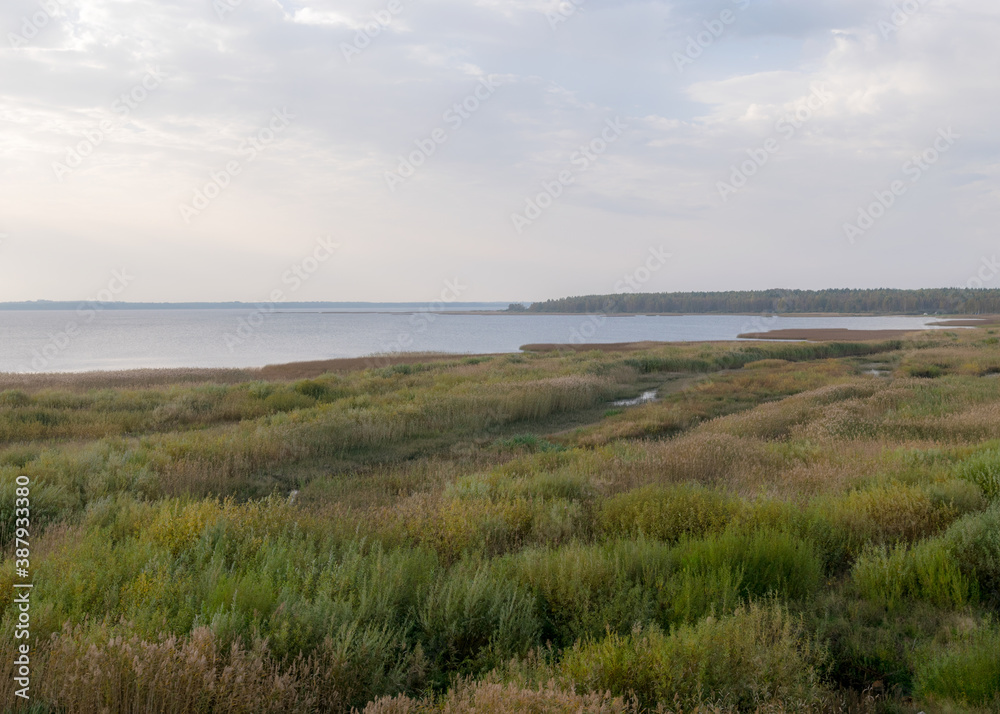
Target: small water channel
(643, 398)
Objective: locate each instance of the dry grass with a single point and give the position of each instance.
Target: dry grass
(828, 335)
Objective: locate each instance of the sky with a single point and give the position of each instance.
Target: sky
(494, 150)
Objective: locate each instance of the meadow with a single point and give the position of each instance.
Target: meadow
(788, 527)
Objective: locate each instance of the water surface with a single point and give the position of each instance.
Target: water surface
(72, 341)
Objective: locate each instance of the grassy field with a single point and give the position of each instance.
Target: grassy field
(789, 527)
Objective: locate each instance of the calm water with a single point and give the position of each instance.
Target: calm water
(70, 341)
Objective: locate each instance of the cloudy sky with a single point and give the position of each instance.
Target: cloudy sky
(526, 148)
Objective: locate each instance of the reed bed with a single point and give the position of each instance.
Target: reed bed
(780, 531)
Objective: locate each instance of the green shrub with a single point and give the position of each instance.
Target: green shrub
(531, 442)
(584, 590)
(666, 512)
(18, 456)
(958, 494)
(694, 593)
(758, 655)
(923, 371)
(766, 364)
(768, 562)
(563, 484)
(982, 469)
(359, 663)
(974, 543)
(282, 401)
(966, 672)
(474, 619)
(311, 388)
(883, 515)
(14, 398)
(49, 501)
(927, 571)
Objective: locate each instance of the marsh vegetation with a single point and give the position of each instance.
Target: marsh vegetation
(787, 527)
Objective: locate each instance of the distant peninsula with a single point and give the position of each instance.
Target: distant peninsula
(932, 301)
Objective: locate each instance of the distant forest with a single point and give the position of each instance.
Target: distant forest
(884, 302)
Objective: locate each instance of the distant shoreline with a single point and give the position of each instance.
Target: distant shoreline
(70, 305)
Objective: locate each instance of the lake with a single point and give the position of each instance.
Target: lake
(82, 340)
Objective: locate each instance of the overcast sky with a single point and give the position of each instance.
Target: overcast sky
(203, 150)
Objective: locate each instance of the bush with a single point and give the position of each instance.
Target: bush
(288, 401)
(311, 388)
(666, 512)
(966, 672)
(869, 643)
(982, 469)
(530, 442)
(769, 562)
(474, 619)
(923, 371)
(584, 590)
(891, 576)
(974, 543)
(758, 655)
(14, 398)
(692, 594)
(958, 494)
(884, 515)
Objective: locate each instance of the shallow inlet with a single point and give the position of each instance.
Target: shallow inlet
(641, 399)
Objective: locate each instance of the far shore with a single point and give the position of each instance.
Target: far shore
(947, 320)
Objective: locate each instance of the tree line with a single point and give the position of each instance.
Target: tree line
(964, 301)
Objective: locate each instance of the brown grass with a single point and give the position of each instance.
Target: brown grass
(309, 370)
(828, 335)
(143, 378)
(601, 347)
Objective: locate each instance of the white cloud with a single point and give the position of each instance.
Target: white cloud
(890, 94)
